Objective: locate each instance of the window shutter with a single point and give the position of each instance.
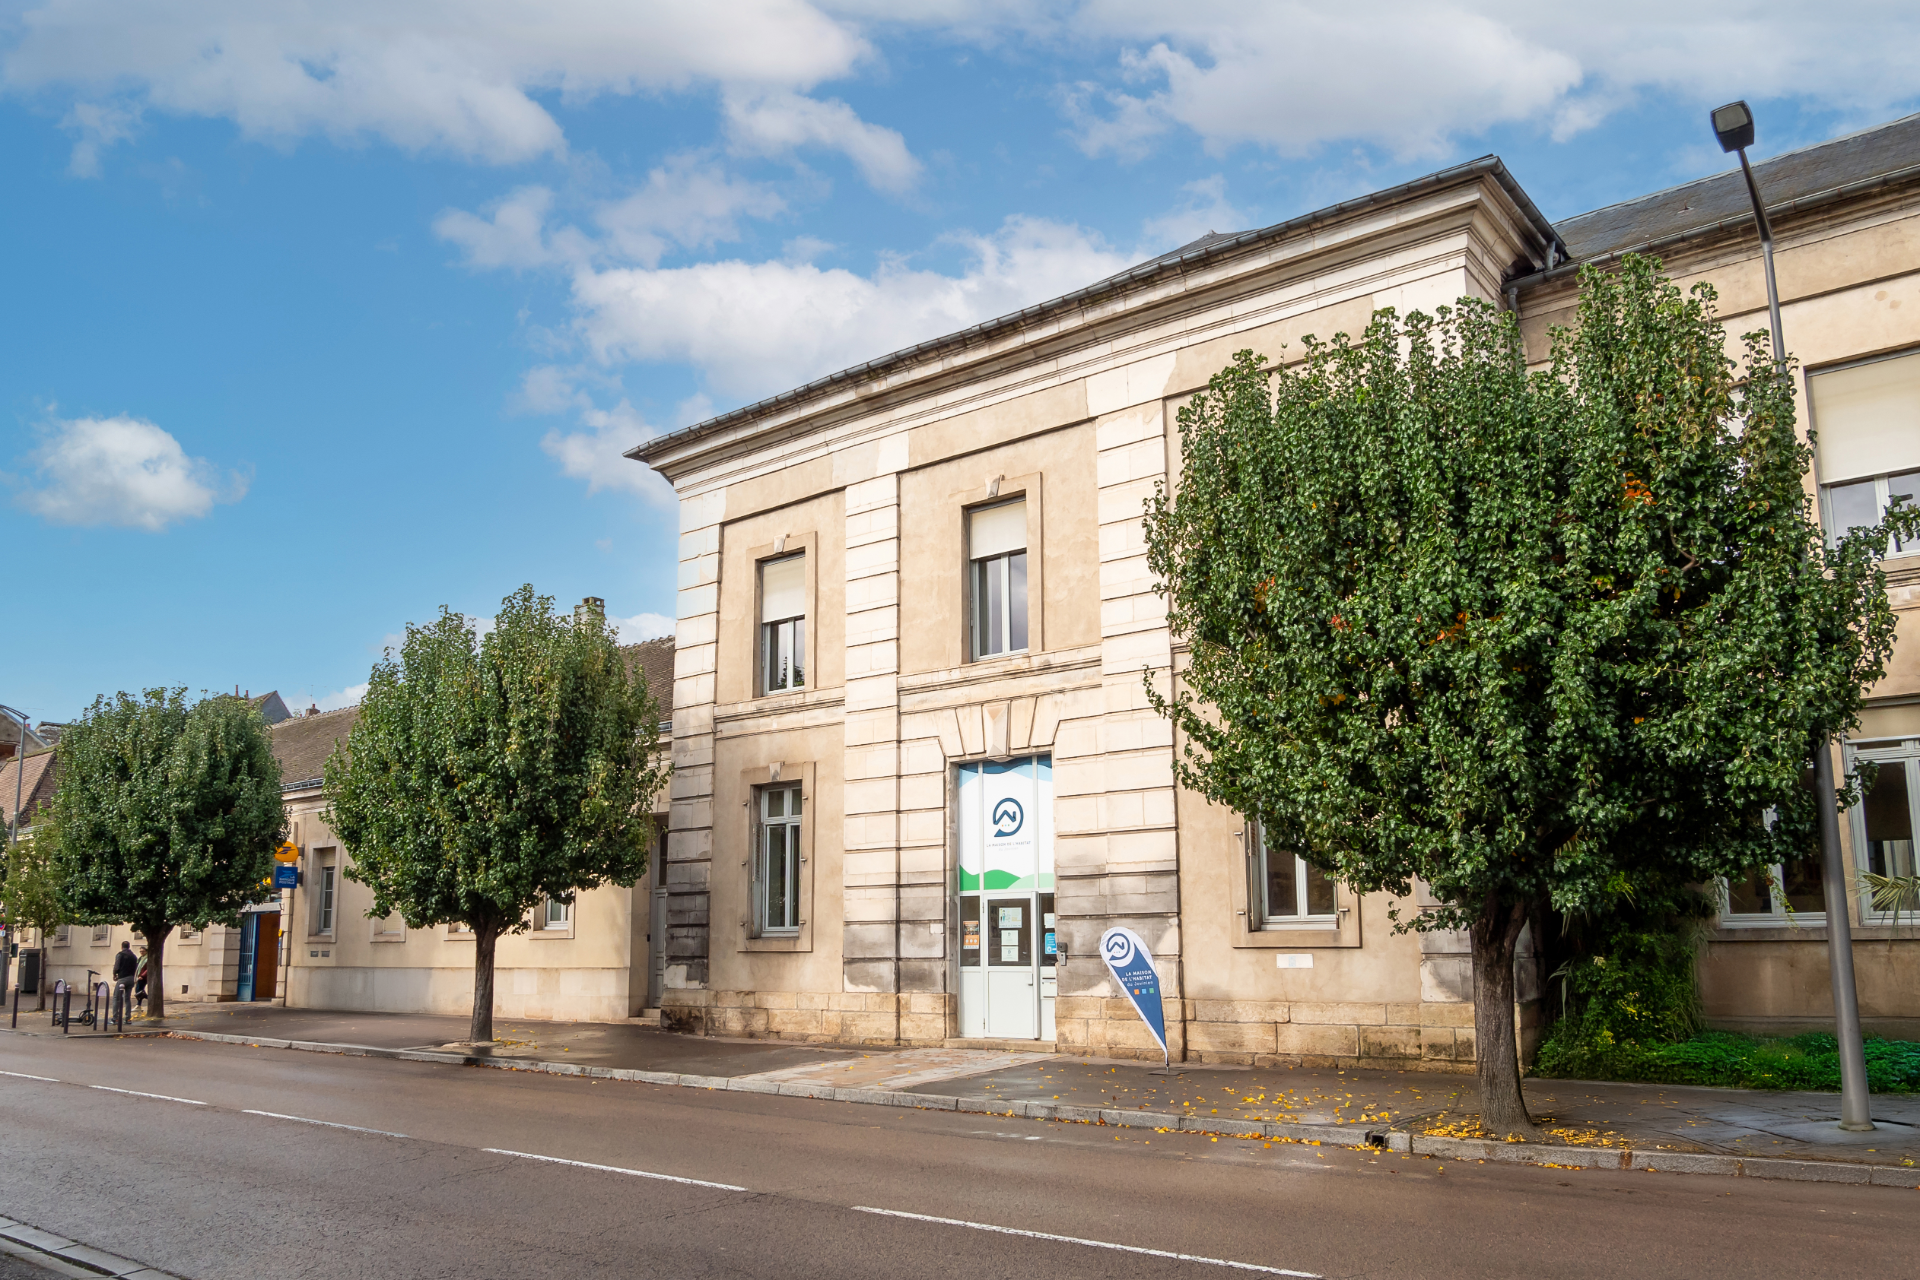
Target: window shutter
(1868, 418)
(783, 588)
(994, 531)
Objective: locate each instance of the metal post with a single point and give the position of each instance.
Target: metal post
(13, 830)
(1855, 1105)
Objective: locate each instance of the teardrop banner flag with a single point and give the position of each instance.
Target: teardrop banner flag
(1131, 964)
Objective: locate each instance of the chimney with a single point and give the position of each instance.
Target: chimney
(592, 607)
(314, 710)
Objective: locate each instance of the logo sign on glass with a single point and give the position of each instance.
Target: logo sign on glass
(1131, 964)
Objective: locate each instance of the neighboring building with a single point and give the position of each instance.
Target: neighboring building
(916, 774)
(595, 959)
(12, 733)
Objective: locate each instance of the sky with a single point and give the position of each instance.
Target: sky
(318, 317)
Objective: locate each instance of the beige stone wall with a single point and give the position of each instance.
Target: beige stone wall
(1077, 416)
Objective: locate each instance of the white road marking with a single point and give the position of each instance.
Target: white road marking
(135, 1093)
(1094, 1244)
(610, 1168)
(21, 1075)
(275, 1115)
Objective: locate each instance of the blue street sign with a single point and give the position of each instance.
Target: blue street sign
(286, 876)
(1131, 964)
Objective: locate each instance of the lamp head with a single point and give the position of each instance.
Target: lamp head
(1733, 125)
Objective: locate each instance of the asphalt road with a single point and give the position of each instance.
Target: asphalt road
(788, 1187)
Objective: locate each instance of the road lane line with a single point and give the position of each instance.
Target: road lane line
(1094, 1244)
(275, 1115)
(611, 1168)
(135, 1093)
(21, 1075)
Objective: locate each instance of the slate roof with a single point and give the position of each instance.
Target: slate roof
(303, 743)
(35, 785)
(1881, 155)
(654, 658)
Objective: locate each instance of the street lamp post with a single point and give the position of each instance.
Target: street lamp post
(1733, 126)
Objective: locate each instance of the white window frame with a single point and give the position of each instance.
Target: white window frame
(63, 935)
(782, 919)
(1899, 753)
(1882, 497)
(560, 923)
(1302, 917)
(326, 893)
(103, 935)
(783, 641)
(984, 575)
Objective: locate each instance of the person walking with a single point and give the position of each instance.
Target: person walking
(140, 983)
(125, 965)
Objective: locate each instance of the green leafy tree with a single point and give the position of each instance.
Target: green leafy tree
(33, 890)
(165, 814)
(1528, 639)
(483, 777)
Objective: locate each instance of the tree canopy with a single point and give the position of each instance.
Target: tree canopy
(165, 814)
(1528, 638)
(486, 774)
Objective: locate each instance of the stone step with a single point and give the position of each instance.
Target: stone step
(1003, 1046)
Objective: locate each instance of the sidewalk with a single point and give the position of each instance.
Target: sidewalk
(1587, 1124)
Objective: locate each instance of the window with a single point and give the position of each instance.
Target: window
(323, 898)
(1778, 894)
(776, 861)
(783, 624)
(1288, 890)
(997, 578)
(390, 928)
(62, 935)
(556, 914)
(1867, 417)
(1885, 818)
(102, 935)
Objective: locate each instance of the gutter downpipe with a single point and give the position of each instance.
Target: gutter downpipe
(1855, 1104)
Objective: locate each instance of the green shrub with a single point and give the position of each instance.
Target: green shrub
(1723, 1058)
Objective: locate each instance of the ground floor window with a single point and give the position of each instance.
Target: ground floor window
(1883, 826)
(1288, 889)
(777, 860)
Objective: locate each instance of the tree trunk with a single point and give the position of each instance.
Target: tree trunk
(484, 936)
(1503, 1110)
(156, 976)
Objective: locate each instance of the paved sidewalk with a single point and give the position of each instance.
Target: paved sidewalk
(1610, 1124)
(1736, 1122)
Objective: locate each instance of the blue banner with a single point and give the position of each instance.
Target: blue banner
(1131, 964)
(286, 876)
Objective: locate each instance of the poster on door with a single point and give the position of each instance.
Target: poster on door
(1009, 823)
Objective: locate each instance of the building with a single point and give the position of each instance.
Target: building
(915, 770)
(595, 959)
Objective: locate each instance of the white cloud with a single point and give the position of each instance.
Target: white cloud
(776, 122)
(122, 471)
(100, 125)
(757, 327)
(642, 626)
(1412, 76)
(347, 697)
(1206, 210)
(459, 76)
(514, 235)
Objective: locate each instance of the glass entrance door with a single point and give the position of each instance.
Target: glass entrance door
(1005, 886)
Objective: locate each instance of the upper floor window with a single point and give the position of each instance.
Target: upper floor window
(557, 915)
(997, 578)
(1867, 417)
(783, 623)
(777, 860)
(1290, 889)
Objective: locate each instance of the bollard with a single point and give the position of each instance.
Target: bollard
(16, 1005)
(66, 1011)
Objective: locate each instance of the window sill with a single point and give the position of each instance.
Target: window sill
(380, 938)
(802, 940)
(558, 935)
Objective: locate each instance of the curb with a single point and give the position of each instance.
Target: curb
(63, 1257)
(1311, 1134)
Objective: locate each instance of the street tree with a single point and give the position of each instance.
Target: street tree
(166, 813)
(1533, 640)
(486, 775)
(33, 890)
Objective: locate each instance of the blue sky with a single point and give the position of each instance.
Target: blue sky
(321, 316)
